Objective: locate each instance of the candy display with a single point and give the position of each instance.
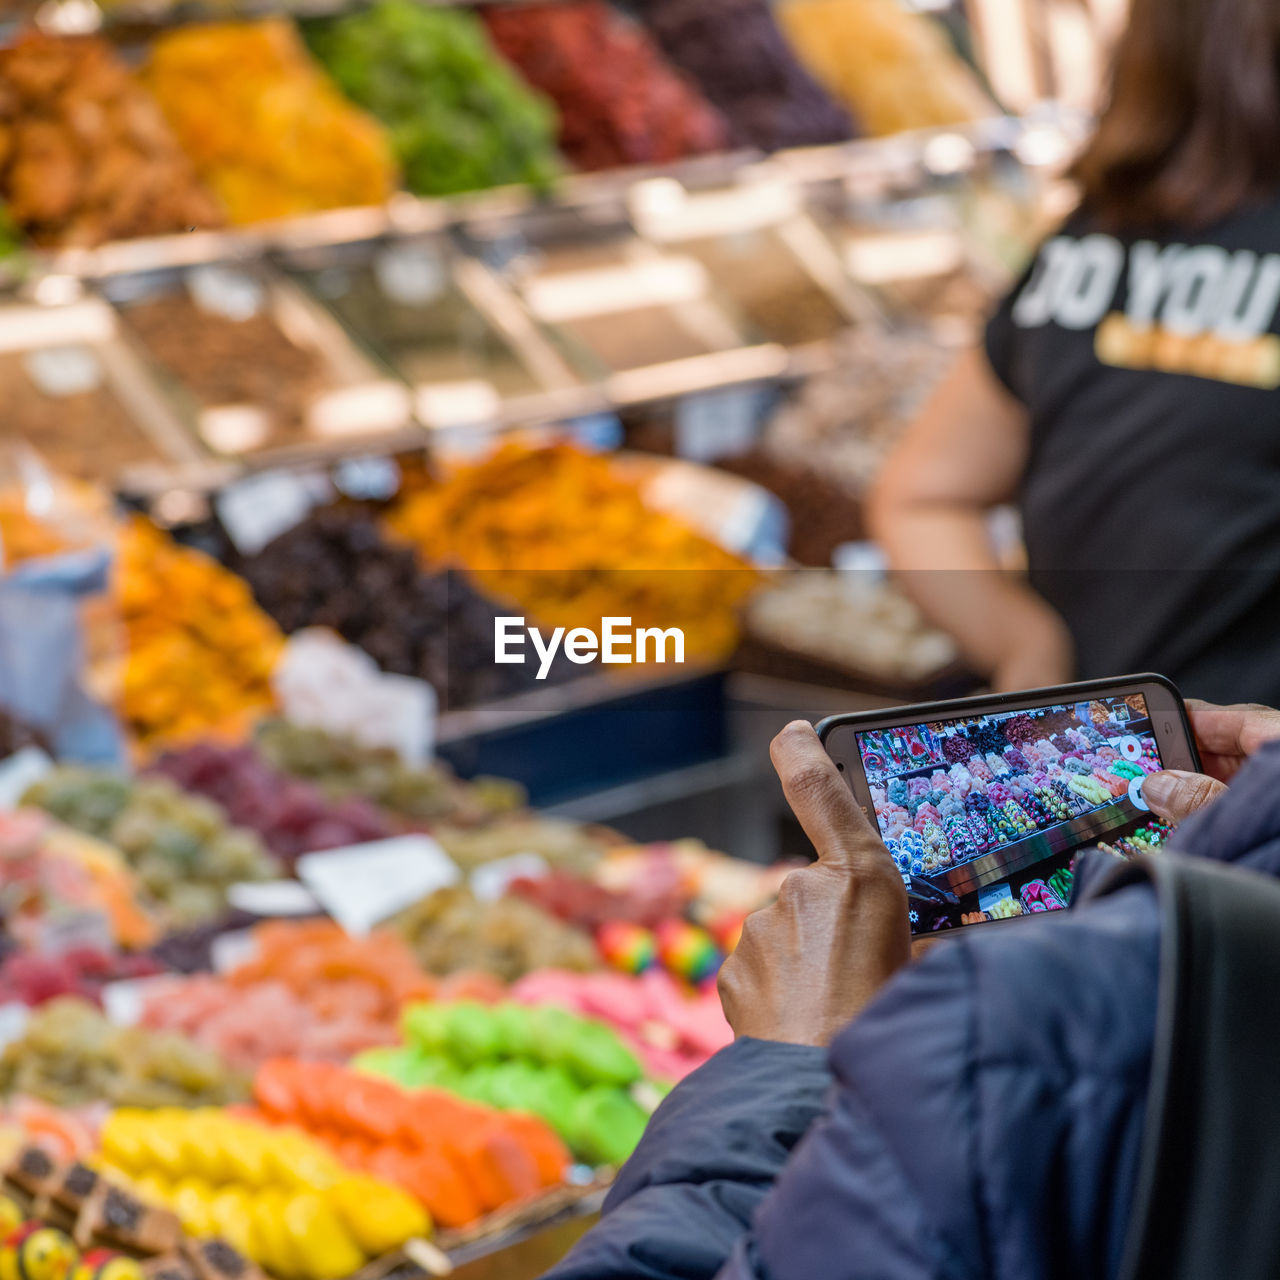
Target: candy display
(460, 1159)
(336, 569)
(52, 877)
(572, 541)
(87, 155)
(736, 53)
(309, 991)
(453, 930)
(70, 1054)
(890, 66)
(342, 767)
(58, 400)
(199, 651)
(669, 1029)
(619, 103)
(572, 1072)
(268, 132)
(290, 816)
(181, 847)
(851, 621)
(278, 1197)
(457, 117)
(233, 358)
(949, 794)
(556, 841)
(66, 1204)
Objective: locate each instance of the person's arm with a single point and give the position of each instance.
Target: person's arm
(804, 966)
(963, 455)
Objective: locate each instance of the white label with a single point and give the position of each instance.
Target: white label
(19, 773)
(367, 479)
(658, 282)
(226, 291)
(667, 213)
(64, 371)
(272, 898)
(412, 274)
(989, 897)
(490, 880)
(74, 929)
(716, 424)
(259, 508)
(364, 884)
(235, 428)
(13, 1022)
(468, 403)
(904, 255)
(365, 409)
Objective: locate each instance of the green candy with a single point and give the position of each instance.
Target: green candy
(607, 1125)
(554, 1098)
(553, 1031)
(596, 1056)
(425, 1027)
(472, 1033)
(515, 1030)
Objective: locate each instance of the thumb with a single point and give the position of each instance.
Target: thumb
(820, 798)
(1176, 794)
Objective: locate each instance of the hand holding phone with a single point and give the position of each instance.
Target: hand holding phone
(984, 802)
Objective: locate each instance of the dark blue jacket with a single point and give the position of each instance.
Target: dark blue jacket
(981, 1120)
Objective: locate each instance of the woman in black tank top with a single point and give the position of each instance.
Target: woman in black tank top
(1126, 395)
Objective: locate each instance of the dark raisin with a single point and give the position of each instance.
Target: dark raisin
(121, 1212)
(35, 1163)
(80, 1181)
(222, 1257)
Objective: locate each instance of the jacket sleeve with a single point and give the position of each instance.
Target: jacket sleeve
(709, 1156)
(706, 1193)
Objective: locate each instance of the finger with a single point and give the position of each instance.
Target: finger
(1234, 731)
(820, 798)
(1175, 794)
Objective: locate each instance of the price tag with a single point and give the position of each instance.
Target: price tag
(599, 432)
(226, 291)
(368, 479)
(262, 507)
(13, 1022)
(19, 773)
(64, 371)
(989, 897)
(717, 424)
(362, 885)
(273, 898)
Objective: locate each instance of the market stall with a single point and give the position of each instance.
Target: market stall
(332, 335)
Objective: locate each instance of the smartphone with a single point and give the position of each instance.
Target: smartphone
(985, 802)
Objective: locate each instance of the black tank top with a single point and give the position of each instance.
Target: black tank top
(1150, 368)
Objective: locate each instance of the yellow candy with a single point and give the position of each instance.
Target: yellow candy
(325, 1247)
(296, 1161)
(380, 1216)
(192, 1201)
(274, 1247)
(232, 1213)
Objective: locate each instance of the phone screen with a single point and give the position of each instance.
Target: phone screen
(984, 815)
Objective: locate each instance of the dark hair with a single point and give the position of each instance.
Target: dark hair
(1192, 128)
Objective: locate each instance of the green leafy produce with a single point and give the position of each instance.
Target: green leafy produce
(458, 116)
